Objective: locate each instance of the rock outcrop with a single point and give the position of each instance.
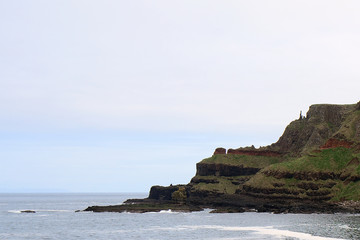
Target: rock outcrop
(334, 143)
(267, 153)
(218, 169)
(220, 151)
(307, 134)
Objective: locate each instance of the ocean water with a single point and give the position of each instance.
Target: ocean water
(55, 218)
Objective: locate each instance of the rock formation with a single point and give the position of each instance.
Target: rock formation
(313, 167)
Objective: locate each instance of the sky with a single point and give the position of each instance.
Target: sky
(117, 96)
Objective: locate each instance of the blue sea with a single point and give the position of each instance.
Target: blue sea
(55, 218)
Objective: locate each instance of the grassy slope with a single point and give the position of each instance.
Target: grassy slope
(329, 160)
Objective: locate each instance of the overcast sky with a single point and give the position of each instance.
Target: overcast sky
(116, 96)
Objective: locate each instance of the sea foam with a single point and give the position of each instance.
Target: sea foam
(268, 230)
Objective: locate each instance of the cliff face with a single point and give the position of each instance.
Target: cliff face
(309, 133)
(313, 167)
(316, 159)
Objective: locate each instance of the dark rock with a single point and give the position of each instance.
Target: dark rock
(206, 169)
(267, 153)
(201, 180)
(162, 193)
(28, 211)
(228, 210)
(308, 185)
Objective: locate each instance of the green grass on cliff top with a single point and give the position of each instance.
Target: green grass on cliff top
(245, 160)
(349, 127)
(329, 160)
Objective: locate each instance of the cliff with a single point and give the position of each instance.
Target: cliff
(308, 133)
(313, 167)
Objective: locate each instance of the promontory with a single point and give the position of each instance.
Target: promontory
(313, 167)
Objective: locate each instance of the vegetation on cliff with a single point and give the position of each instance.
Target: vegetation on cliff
(329, 174)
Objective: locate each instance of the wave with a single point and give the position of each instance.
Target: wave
(14, 211)
(166, 212)
(54, 210)
(40, 210)
(268, 230)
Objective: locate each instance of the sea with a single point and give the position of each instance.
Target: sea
(55, 218)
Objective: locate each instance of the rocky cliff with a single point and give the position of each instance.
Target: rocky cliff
(313, 167)
(308, 133)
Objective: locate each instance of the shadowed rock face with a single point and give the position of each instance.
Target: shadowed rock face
(204, 169)
(162, 193)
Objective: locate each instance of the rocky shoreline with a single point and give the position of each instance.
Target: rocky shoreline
(238, 203)
(303, 208)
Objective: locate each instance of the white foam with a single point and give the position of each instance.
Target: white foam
(46, 210)
(14, 211)
(269, 230)
(346, 227)
(166, 211)
(286, 233)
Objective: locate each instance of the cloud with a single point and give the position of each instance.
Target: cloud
(175, 65)
(84, 83)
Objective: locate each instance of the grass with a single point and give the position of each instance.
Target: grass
(245, 160)
(332, 160)
(225, 184)
(345, 192)
(328, 160)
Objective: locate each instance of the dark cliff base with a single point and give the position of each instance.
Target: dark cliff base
(145, 205)
(223, 203)
(245, 204)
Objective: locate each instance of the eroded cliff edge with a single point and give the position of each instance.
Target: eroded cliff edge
(313, 167)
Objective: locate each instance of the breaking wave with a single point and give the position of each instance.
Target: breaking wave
(268, 231)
